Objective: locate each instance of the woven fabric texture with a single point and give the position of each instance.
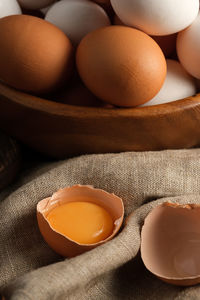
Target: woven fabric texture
(30, 270)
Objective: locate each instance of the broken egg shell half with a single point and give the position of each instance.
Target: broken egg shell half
(62, 244)
(170, 243)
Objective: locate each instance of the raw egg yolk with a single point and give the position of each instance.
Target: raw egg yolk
(83, 222)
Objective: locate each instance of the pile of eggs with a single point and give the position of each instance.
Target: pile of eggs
(102, 52)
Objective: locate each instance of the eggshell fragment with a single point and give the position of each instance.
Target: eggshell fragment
(170, 244)
(9, 7)
(157, 17)
(76, 18)
(62, 244)
(35, 56)
(188, 48)
(121, 65)
(178, 85)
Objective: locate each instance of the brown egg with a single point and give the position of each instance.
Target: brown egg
(35, 56)
(170, 243)
(121, 65)
(68, 246)
(166, 42)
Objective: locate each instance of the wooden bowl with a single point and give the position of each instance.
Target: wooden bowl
(61, 130)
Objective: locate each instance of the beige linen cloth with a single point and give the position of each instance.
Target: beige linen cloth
(30, 270)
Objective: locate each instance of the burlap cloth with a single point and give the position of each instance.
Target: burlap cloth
(30, 270)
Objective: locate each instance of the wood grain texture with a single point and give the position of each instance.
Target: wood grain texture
(61, 130)
(9, 160)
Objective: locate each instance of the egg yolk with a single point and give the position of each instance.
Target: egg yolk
(83, 222)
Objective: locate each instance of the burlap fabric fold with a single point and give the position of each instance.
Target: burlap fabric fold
(30, 270)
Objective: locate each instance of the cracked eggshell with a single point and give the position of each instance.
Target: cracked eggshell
(170, 243)
(62, 244)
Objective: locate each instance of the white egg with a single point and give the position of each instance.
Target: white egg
(76, 18)
(157, 17)
(178, 85)
(9, 7)
(188, 48)
(35, 4)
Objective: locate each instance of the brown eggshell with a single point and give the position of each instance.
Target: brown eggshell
(121, 65)
(35, 56)
(170, 243)
(166, 42)
(62, 244)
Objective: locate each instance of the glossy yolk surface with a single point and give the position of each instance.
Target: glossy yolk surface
(83, 222)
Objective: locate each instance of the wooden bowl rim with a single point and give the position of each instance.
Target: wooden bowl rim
(56, 108)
